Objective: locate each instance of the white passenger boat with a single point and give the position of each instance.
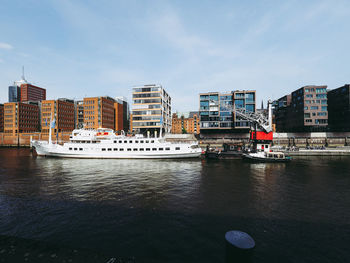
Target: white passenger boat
(104, 143)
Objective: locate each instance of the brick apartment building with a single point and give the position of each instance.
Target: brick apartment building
(1, 117)
(339, 109)
(21, 117)
(62, 110)
(121, 114)
(304, 111)
(184, 122)
(30, 92)
(99, 112)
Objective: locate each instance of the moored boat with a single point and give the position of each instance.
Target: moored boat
(104, 143)
(264, 156)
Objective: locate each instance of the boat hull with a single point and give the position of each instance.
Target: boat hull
(265, 160)
(58, 151)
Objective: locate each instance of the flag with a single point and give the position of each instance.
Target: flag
(53, 123)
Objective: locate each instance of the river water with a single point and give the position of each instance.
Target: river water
(179, 210)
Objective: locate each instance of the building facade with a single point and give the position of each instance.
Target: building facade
(30, 92)
(308, 109)
(121, 114)
(339, 109)
(1, 117)
(21, 117)
(281, 113)
(216, 110)
(99, 112)
(79, 114)
(185, 123)
(151, 109)
(14, 93)
(61, 110)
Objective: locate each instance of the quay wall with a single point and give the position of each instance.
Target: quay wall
(23, 139)
(328, 139)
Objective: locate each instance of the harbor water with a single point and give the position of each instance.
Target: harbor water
(179, 210)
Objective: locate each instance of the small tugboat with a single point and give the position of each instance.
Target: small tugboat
(273, 157)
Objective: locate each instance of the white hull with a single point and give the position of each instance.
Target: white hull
(118, 147)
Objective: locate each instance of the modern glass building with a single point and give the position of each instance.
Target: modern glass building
(151, 109)
(14, 93)
(216, 109)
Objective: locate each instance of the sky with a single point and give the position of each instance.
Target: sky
(87, 48)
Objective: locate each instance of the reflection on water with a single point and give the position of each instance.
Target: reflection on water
(178, 210)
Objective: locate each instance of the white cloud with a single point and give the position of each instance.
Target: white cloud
(5, 46)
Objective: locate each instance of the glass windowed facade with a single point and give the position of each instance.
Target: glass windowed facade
(152, 108)
(216, 109)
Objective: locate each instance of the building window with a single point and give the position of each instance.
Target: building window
(161, 149)
(141, 141)
(109, 149)
(120, 141)
(75, 149)
(148, 149)
(115, 149)
(167, 149)
(135, 149)
(141, 149)
(70, 148)
(129, 149)
(80, 149)
(103, 149)
(154, 149)
(177, 148)
(121, 149)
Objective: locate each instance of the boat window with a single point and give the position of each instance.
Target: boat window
(129, 149)
(177, 148)
(82, 141)
(154, 149)
(120, 141)
(115, 149)
(125, 141)
(141, 149)
(121, 149)
(80, 149)
(109, 149)
(88, 142)
(130, 141)
(152, 141)
(115, 141)
(93, 141)
(141, 141)
(135, 149)
(70, 149)
(147, 141)
(167, 149)
(161, 149)
(136, 141)
(148, 149)
(103, 149)
(75, 149)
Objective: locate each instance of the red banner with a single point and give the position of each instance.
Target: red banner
(262, 136)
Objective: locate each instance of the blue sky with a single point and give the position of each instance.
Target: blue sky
(95, 48)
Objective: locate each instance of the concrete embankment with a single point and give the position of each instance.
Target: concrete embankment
(344, 151)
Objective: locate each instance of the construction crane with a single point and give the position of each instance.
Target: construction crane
(257, 118)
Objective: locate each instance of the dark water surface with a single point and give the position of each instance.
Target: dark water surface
(179, 210)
